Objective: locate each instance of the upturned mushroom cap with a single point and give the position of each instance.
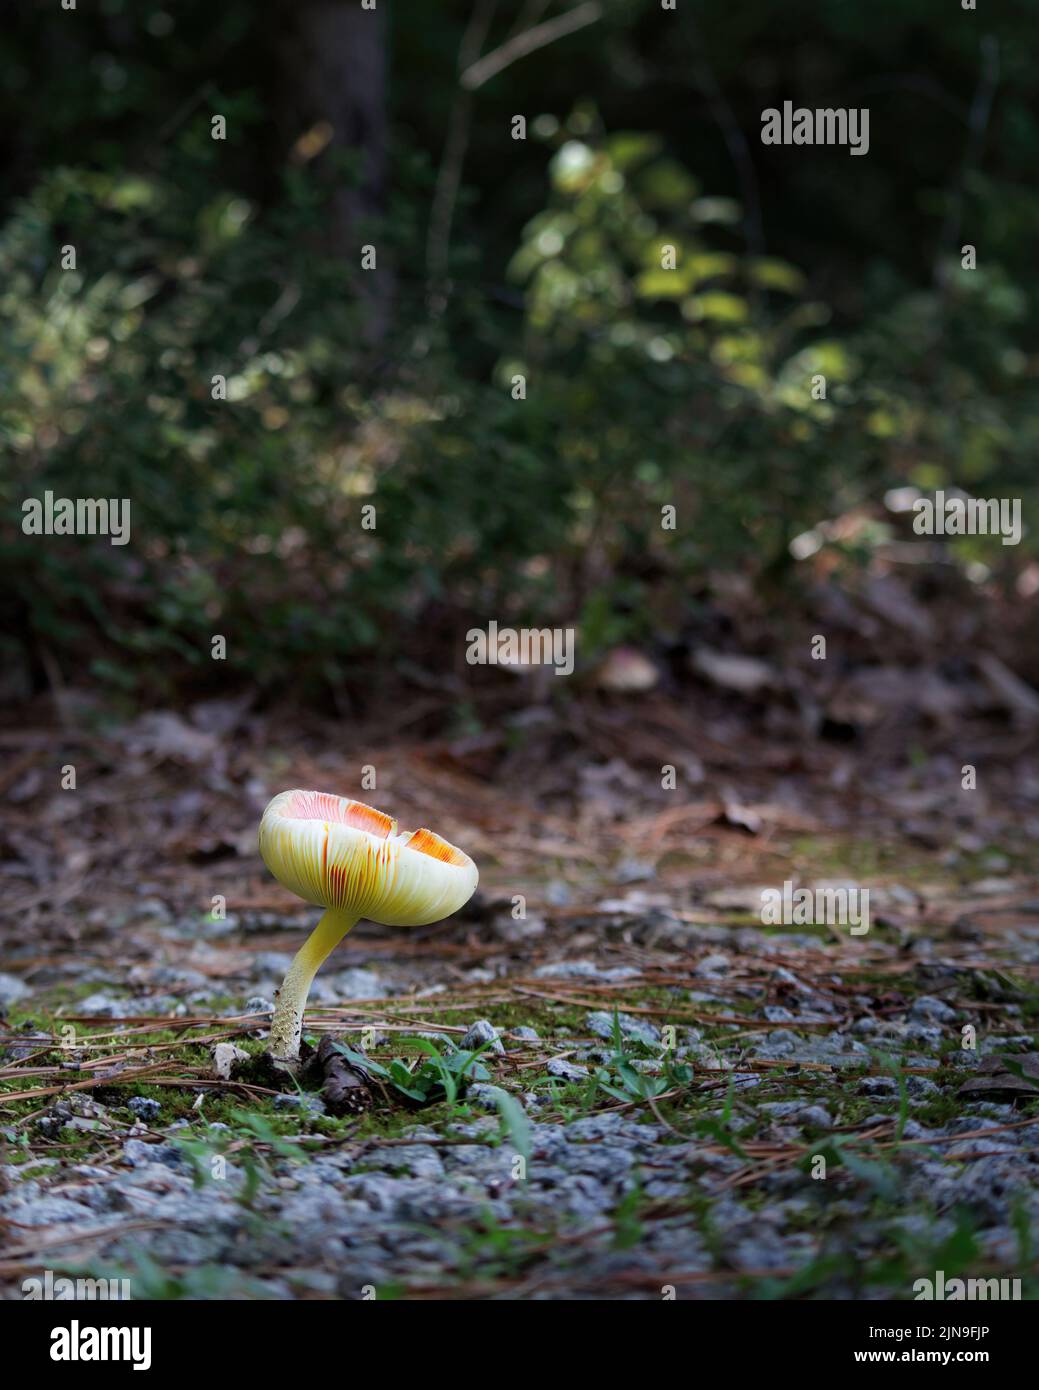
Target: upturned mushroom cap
(341, 854)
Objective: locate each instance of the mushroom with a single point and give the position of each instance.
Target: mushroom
(350, 859)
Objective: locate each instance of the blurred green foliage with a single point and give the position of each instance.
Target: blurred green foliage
(646, 387)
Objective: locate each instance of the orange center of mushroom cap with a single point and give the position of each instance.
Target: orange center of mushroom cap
(324, 806)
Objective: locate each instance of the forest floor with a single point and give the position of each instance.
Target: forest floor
(667, 1092)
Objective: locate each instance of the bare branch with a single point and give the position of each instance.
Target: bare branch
(449, 175)
(528, 16)
(529, 42)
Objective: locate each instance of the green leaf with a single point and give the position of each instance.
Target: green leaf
(515, 1122)
(358, 1059)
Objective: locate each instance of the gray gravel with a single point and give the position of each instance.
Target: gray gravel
(626, 1193)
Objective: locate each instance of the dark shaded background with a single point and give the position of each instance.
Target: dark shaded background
(241, 257)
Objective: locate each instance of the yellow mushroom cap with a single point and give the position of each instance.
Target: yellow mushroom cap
(339, 853)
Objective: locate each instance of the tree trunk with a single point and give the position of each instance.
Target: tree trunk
(334, 57)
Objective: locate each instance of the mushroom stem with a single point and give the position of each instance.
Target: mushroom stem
(287, 1023)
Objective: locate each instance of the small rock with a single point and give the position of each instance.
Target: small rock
(799, 1112)
(515, 930)
(11, 990)
(775, 1013)
(583, 970)
(478, 1034)
(417, 1160)
(601, 1023)
(139, 1154)
(272, 963)
(357, 984)
(634, 871)
(104, 1006)
(745, 1080)
(76, 1112)
(878, 1086)
(484, 1095)
(225, 1057)
(930, 1010)
(50, 1211)
(928, 1033)
(558, 1066)
(143, 1107)
(312, 1104)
